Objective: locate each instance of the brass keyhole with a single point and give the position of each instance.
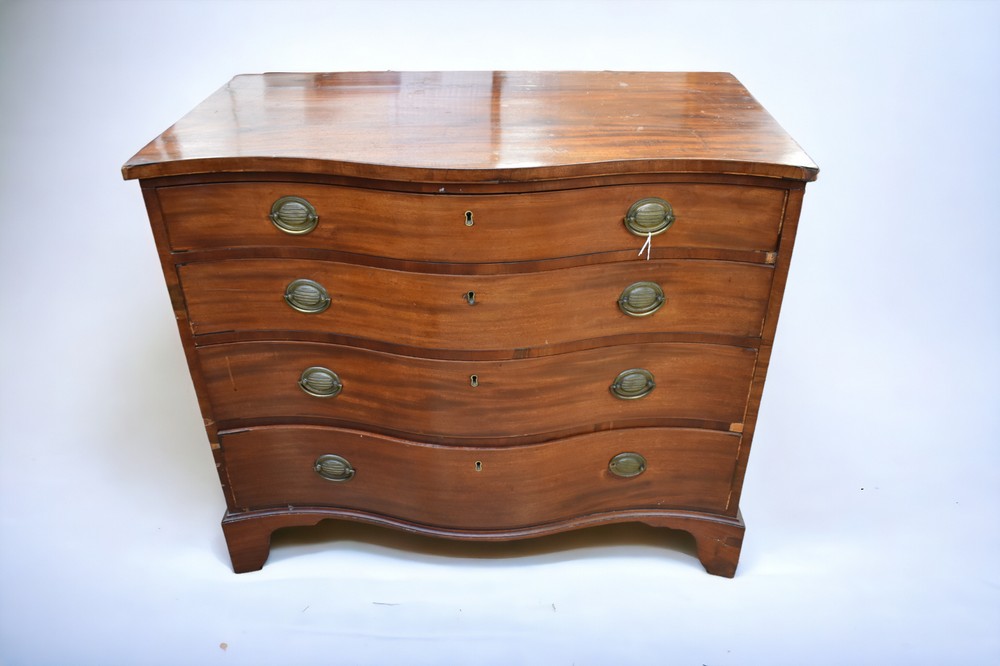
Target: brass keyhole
(479, 465)
(468, 218)
(474, 381)
(470, 297)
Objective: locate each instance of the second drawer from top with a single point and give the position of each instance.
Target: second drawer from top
(477, 312)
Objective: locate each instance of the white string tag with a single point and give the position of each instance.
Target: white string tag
(647, 246)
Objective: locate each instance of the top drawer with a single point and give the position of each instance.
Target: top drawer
(479, 228)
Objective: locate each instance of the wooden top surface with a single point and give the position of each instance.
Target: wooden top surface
(477, 127)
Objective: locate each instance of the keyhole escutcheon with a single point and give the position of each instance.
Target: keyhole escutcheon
(468, 218)
(470, 297)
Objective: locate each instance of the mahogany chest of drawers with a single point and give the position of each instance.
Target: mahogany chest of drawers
(480, 305)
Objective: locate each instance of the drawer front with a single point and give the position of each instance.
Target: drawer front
(466, 487)
(470, 399)
(505, 227)
(474, 312)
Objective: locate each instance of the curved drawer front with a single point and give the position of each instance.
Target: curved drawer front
(259, 381)
(474, 488)
(469, 228)
(476, 311)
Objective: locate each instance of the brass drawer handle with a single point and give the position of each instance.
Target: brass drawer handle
(633, 384)
(334, 468)
(627, 465)
(294, 215)
(641, 299)
(320, 382)
(307, 296)
(649, 216)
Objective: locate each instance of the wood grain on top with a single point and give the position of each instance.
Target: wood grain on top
(476, 127)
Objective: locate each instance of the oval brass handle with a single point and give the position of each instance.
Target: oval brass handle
(294, 215)
(633, 384)
(649, 216)
(334, 468)
(641, 299)
(320, 382)
(307, 296)
(627, 465)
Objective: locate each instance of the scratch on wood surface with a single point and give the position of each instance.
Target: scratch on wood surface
(229, 367)
(698, 136)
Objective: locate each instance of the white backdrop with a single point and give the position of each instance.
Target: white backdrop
(873, 490)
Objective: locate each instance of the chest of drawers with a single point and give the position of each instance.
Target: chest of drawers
(482, 305)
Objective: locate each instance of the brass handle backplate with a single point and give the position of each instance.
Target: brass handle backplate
(320, 382)
(627, 465)
(649, 216)
(294, 215)
(641, 299)
(334, 468)
(633, 384)
(307, 296)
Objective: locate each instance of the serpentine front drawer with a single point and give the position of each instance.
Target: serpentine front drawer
(466, 228)
(685, 469)
(478, 312)
(433, 399)
(477, 305)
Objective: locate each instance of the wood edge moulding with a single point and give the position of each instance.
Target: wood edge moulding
(371, 344)
(411, 182)
(183, 257)
(472, 177)
(241, 425)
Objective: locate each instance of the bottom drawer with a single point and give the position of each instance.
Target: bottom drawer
(479, 488)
